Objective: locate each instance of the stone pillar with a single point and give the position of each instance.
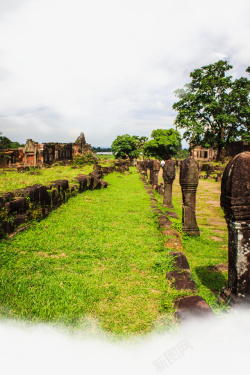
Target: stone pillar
(156, 169)
(144, 168)
(151, 172)
(168, 177)
(189, 180)
(179, 166)
(235, 202)
(199, 167)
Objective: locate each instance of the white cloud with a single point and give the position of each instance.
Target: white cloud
(103, 67)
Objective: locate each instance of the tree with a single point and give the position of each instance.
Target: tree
(164, 145)
(182, 154)
(125, 146)
(6, 143)
(213, 108)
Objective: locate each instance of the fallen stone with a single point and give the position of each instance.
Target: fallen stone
(192, 306)
(182, 280)
(173, 243)
(172, 214)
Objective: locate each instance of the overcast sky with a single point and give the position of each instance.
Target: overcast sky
(108, 67)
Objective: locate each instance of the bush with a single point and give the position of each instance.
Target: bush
(87, 158)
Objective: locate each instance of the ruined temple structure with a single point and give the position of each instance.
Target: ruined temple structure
(189, 180)
(39, 154)
(80, 146)
(203, 154)
(235, 202)
(236, 148)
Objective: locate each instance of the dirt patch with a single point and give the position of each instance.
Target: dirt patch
(214, 203)
(217, 239)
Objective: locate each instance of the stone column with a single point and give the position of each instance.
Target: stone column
(144, 168)
(179, 166)
(151, 172)
(168, 177)
(235, 202)
(189, 180)
(156, 169)
(199, 167)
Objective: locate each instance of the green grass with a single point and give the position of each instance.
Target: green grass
(100, 256)
(204, 252)
(11, 179)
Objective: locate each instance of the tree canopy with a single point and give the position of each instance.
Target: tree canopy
(213, 108)
(125, 146)
(6, 143)
(164, 144)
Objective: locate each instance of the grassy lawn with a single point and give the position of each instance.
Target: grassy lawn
(99, 256)
(11, 179)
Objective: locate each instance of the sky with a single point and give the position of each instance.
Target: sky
(108, 67)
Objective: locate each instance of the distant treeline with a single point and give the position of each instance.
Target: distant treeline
(101, 149)
(6, 143)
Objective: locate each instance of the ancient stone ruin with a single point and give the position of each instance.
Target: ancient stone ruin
(189, 180)
(151, 172)
(168, 177)
(235, 202)
(156, 170)
(39, 154)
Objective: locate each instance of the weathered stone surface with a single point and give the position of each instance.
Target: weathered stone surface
(156, 169)
(192, 306)
(168, 177)
(151, 172)
(181, 280)
(174, 215)
(160, 189)
(235, 202)
(173, 243)
(171, 232)
(199, 167)
(189, 181)
(18, 206)
(180, 260)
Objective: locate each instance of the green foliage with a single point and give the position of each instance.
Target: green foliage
(101, 149)
(126, 146)
(6, 143)
(214, 109)
(182, 154)
(164, 144)
(87, 158)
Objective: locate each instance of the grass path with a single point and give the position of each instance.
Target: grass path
(100, 256)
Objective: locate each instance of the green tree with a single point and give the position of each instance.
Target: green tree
(6, 143)
(125, 146)
(213, 109)
(164, 144)
(182, 153)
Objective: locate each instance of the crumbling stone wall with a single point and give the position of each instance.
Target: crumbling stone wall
(37, 201)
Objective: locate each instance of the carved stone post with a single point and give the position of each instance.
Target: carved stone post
(179, 166)
(189, 180)
(168, 177)
(156, 169)
(151, 172)
(199, 167)
(235, 202)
